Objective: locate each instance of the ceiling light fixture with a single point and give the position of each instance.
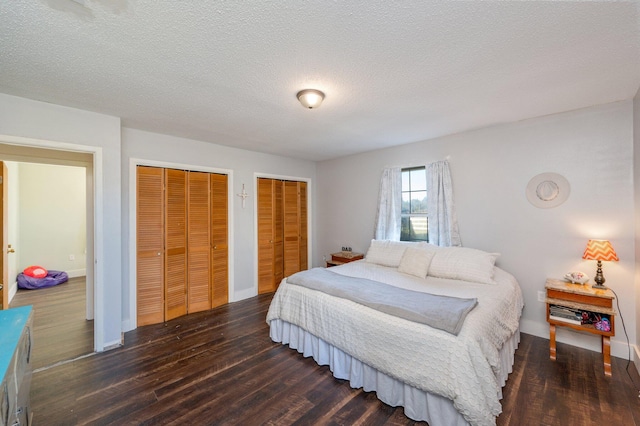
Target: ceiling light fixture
(310, 98)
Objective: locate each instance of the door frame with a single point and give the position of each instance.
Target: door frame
(95, 234)
(308, 181)
(133, 253)
(18, 159)
(4, 212)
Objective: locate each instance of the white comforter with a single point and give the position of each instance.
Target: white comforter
(463, 368)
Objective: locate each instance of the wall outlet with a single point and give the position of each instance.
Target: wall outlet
(72, 257)
(541, 296)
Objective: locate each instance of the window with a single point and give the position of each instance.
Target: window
(414, 225)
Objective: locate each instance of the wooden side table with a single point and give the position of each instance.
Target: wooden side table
(343, 257)
(584, 299)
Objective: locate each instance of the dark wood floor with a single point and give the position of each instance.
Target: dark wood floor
(61, 331)
(220, 367)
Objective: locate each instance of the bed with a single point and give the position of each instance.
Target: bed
(438, 376)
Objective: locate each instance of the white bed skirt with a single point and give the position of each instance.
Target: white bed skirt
(418, 404)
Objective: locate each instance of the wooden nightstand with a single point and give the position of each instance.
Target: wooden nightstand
(343, 257)
(578, 298)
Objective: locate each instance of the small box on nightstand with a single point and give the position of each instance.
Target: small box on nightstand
(343, 257)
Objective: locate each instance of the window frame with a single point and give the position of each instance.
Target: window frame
(410, 215)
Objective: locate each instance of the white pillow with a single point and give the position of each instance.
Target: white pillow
(416, 261)
(461, 263)
(387, 252)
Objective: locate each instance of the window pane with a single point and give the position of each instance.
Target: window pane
(418, 202)
(405, 231)
(405, 181)
(418, 228)
(406, 202)
(418, 180)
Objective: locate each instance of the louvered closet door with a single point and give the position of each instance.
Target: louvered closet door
(302, 203)
(278, 233)
(219, 240)
(270, 234)
(292, 219)
(176, 243)
(150, 245)
(265, 236)
(198, 244)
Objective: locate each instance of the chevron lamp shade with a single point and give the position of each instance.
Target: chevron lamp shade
(599, 250)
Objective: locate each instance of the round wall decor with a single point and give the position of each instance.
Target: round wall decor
(547, 190)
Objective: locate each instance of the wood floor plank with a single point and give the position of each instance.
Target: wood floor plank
(61, 331)
(221, 367)
(257, 393)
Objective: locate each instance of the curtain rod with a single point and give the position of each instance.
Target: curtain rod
(447, 158)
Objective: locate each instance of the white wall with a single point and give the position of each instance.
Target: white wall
(490, 168)
(52, 218)
(31, 123)
(592, 148)
(157, 149)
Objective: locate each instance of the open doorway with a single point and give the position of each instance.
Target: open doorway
(51, 224)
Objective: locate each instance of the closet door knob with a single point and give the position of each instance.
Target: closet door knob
(215, 247)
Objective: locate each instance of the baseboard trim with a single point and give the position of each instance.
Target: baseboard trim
(110, 346)
(73, 273)
(13, 289)
(244, 294)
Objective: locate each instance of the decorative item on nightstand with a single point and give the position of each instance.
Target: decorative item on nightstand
(599, 250)
(576, 277)
(343, 257)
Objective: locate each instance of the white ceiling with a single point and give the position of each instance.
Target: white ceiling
(227, 72)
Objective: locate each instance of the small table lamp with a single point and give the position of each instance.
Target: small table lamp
(599, 250)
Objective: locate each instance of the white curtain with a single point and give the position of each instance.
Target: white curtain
(389, 205)
(443, 223)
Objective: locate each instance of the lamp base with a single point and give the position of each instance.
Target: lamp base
(599, 278)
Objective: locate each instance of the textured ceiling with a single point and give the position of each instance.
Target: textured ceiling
(227, 72)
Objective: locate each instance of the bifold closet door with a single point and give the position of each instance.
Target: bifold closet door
(291, 229)
(282, 231)
(198, 243)
(150, 245)
(175, 243)
(302, 206)
(270, 235)
(219, 240)
(278, 233)
(182, 243)
(295, 227)
(266, 258)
